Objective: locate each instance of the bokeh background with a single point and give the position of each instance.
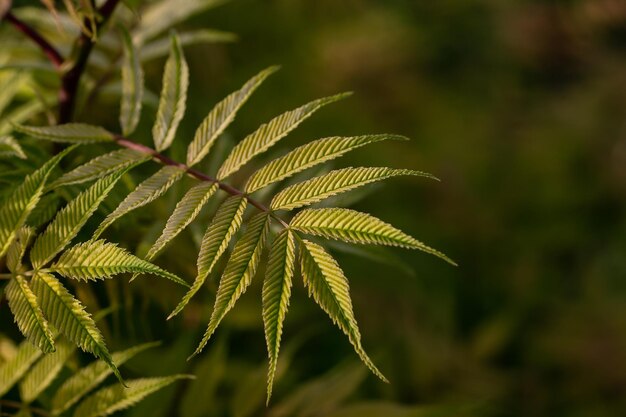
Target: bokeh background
(519, 107)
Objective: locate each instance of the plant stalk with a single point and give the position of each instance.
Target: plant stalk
(165, 160)
(51, 52)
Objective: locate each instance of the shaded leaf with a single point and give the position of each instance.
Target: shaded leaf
(173, 97)
(115, 397)
(12, 370)
(132, 86)
(89, 377)
(40, 376)
(70, 133)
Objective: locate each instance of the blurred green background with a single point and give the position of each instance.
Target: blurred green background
(520, 108)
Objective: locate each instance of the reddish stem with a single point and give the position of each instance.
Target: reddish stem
(165, 160)
(51, 52)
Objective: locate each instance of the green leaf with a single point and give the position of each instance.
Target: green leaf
(356, 227)
(115, 397)
(71, 219)
(44, 372)
(173, 97)
(238, 273)
(132, 86)
(28, 315)
(221, 116)
(17, 248)
(335, 182)
(12, 370)
(20, 114)
(15, 210)
(100, 260)
(146, 192)
(70, 133)
(329, 288)
(185, 212)
(101, 166)
(157, 17)
(10, 148)
(160, 47)
(12, 84)
(89, 377)
(269, 134)
(276, 294)
(309, 155)
(215, 241)
(68, 315)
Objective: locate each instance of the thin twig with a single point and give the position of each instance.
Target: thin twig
(18, 406)
(165, 160)
(71, 79)
(51, 52)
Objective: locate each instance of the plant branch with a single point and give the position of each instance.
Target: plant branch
(51, 52)
(71, 79)
(18, 406)
(165, 160)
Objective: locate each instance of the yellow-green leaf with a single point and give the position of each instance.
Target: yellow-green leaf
(173, 96)
(276, 294)
(215, 241)
(269, 134)
(335, 182)
(238, 273)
